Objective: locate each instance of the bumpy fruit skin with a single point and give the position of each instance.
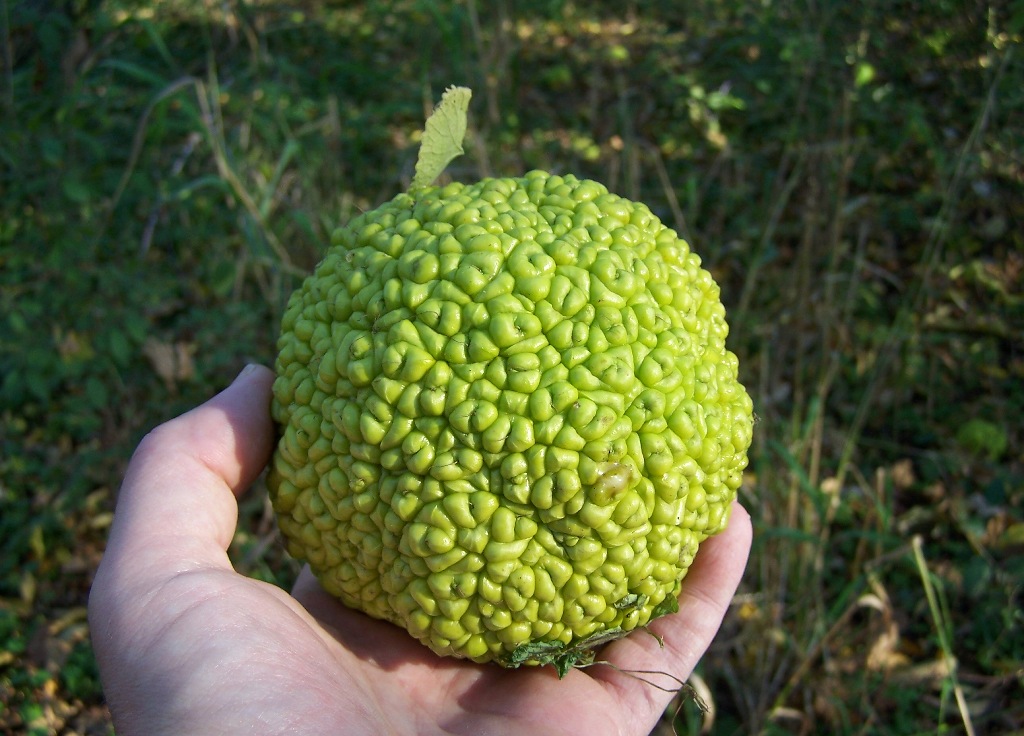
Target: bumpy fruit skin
(508, 415)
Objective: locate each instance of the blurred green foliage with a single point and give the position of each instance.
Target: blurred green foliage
(852, 174)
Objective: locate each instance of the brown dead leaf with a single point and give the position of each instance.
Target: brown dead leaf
(883, 649)
(883, 654)
(172, 362)
(71, 346)
(902, 474)
(705, 696)
(935, 492)
(1012, 537)
(932, 674)
(831, 486)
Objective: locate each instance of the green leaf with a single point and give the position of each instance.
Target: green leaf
(442, 136)
(541, 651)
(38, 386)
(96, 393)
(630, 601)
(135, 71)
(982, 438)
(567, 660)
(563, 657)
(17, 322)
(120, 348)
(52, 150)
(76, 191)
(670, 604)
(158, 43)
(864, 75)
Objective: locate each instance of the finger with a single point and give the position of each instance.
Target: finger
(179, 493)
(707, 591)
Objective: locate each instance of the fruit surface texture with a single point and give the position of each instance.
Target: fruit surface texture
(508, 416)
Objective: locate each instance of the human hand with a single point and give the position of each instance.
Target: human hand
(186, 645)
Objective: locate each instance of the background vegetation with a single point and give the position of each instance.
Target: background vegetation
(853, 174)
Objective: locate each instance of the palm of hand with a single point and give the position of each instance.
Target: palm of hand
(232, 652)
(186, 645)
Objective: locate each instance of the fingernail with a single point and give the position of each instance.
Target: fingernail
(248, 370)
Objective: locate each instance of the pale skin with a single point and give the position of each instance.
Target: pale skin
(186, 645)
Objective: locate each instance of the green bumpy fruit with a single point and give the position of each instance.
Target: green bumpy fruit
(509, 416)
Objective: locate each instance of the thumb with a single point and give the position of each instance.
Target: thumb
(685, 636)
(178, 498)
